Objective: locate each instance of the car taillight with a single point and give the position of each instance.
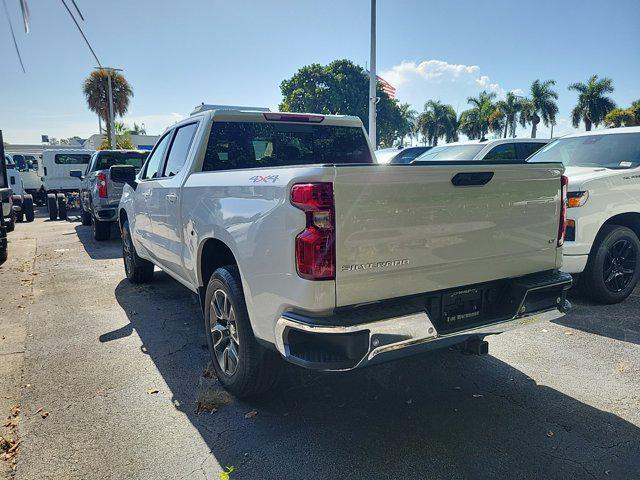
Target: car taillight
(562, 228)
(101, 179)
(315, 246)
(293, 117)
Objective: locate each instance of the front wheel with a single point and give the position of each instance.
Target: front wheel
(612, 271)
(242, 365)
(138, 269)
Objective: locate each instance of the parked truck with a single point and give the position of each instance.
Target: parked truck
(299, 246)
(22, 207)
(61, 170)
(99, 194)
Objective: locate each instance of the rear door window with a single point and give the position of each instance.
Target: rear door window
(235, 145)
(107, 160)
(506, 151)
(179, 149)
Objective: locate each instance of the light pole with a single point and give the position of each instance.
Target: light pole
(112, 123)
(372, 78)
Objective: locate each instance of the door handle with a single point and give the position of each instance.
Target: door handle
(472, 179)
(172, 197)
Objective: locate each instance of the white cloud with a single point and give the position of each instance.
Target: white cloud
(417, 82)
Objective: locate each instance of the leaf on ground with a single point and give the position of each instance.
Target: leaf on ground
(568, 332)
(550, 434)
(44, 414)
(152, 391)
(251, 414)
(477, 395)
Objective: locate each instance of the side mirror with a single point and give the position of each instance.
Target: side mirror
(76, 174)
(124, 174)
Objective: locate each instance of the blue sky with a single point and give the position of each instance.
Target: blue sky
(177, 54)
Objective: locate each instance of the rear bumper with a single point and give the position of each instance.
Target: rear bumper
(574, 263)
(343, 342)
(106, 213)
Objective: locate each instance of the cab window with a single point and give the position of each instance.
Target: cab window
(179, 149)
(506, 151)
(152, 169)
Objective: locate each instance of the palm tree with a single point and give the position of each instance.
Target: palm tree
(96, 91)
(478, 119)
(593, 104)
(406, 125)
(510, 107)
(541, 105)
(438, 121)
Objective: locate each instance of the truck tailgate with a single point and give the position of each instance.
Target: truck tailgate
(403, 230)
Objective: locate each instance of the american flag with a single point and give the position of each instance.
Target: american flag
(386, 87)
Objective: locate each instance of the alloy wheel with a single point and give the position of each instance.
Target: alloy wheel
(619, 265)
(224, 332)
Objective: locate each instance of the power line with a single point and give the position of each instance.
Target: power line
(80, 30)
(13, 35)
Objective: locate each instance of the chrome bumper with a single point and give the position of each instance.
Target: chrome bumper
(394, 337)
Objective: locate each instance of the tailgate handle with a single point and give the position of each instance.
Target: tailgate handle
(472, 179)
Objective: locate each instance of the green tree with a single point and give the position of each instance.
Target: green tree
(476, 122)
(593, 104)
(438, 121)
(138, 129)
(619, 117)
(408, 119)
(96, 92)
(341, 87)
(510, 108)
(123, 138)
(635, 110)
(540, 106)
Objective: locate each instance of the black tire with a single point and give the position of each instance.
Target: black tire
(62, 206)
(612, 270)
(52, 205)
(86, 218)
(4, 254)
(257, 369)
(27, 208)
(17, 202)
(10, 223)
(138, 269)
(101, 230)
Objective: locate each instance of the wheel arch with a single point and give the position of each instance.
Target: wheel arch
(630, 220)
(213, 254)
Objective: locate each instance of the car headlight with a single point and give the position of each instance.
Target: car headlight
(577, 199)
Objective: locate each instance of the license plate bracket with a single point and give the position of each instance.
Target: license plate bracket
(462, 306)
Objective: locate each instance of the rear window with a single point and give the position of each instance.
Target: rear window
(72, 158)
(109, 159)
(235, 145)
(451, 152)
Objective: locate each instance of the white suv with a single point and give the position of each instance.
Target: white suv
(604, 209)
(500, 149)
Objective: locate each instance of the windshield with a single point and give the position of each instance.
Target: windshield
(451, 152)
(619, 150)
(107, 160)
(408, 155)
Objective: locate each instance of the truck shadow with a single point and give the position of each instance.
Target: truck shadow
(440, 415)
(620, 321)
(103, 250)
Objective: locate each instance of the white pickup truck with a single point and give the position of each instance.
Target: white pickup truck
(603, 228)
(299, 246)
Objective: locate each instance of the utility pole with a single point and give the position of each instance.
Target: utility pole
(372, 79)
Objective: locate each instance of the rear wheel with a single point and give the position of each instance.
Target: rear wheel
(17, 202)
(86, 218)
(10, 223)
(27, 207)
(612, 271)
(52, 205)
(62, 206)
(242, 365)
(138, 269)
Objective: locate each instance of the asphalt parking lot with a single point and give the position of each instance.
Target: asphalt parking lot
(121, 372)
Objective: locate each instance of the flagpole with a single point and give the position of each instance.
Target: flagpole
(372, 78)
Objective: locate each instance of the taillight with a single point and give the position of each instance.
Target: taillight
(562, 228)
(101, 179)
(315, 246)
